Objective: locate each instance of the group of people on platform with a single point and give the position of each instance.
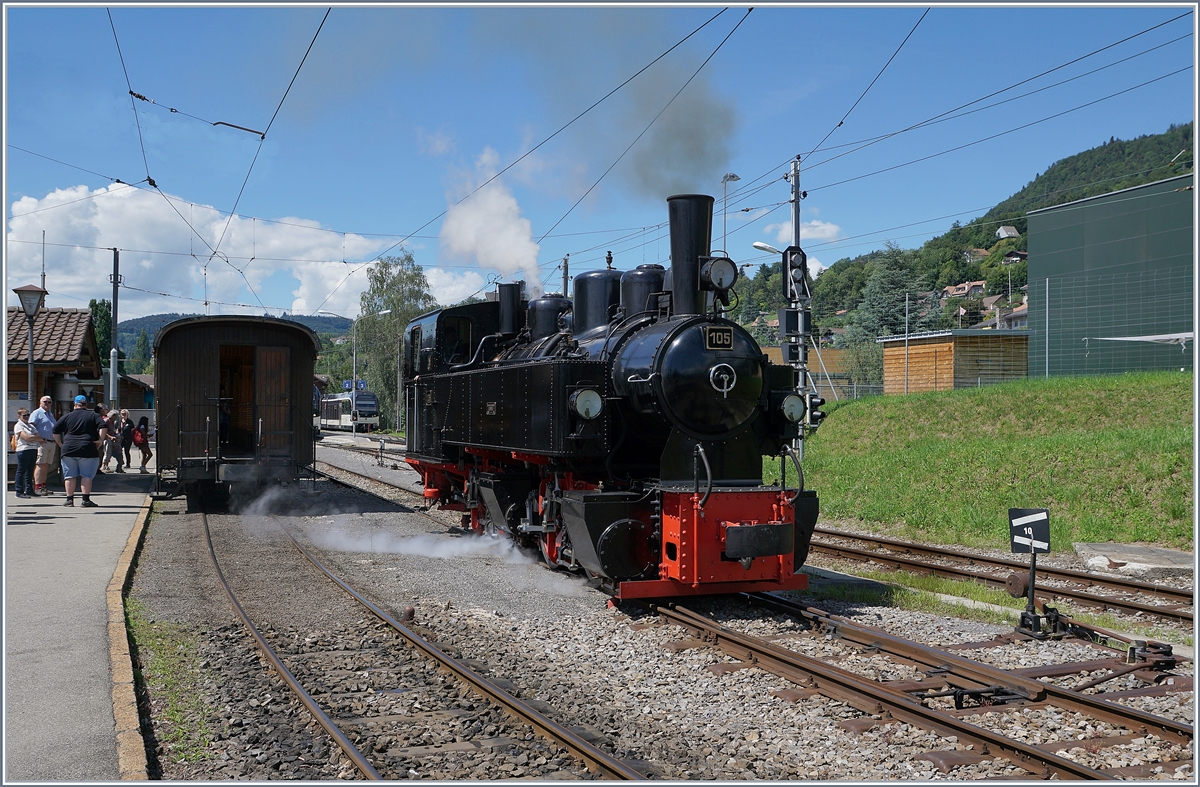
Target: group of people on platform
(79, 441)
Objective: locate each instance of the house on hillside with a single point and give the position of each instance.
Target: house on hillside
(1007, 231)
(1006, 319)
(975, 255)
(968, 289)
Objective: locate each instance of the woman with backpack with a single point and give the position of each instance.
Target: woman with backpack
(141, 439)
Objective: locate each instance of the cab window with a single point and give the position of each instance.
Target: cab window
(411, 361)
(455, 339)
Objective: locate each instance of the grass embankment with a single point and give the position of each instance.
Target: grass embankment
(170, 669)
(1110, 457)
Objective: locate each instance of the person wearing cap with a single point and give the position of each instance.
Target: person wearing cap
(80, 434)
(43, 421)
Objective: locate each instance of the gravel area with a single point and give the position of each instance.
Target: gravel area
(550, 635)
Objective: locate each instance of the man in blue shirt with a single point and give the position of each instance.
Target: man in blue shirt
(43, 421)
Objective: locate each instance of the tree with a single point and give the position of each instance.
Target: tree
(891, 303)
(102, 324)
(398, 284)
(139, 360)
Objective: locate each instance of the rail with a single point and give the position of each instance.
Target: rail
(594, 757)
(339, 737)
(866, 695)
(893, 559)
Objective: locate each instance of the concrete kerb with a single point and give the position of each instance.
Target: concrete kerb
(131, 746)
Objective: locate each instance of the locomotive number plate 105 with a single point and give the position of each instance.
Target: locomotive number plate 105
(718, 337)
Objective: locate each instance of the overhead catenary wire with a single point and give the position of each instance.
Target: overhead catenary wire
(1001, 133)
(141, 143)
(876, 79)
(740, 194)
(648, 125)
(518, 160)
(289, 87)
(132, 103)
(737, 193)
(236, 202)
(945, 116)
(313, 228)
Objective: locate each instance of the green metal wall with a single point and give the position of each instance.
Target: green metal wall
(1113, 266)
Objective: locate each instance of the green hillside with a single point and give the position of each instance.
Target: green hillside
(940, 261)
(1111, 457)
(1115, 165)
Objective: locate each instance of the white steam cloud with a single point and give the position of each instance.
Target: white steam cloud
(487, 227)
(337, 538)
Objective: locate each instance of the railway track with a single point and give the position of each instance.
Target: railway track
(951, 690)
(1167, 603)
(1172, 605)
(401, 645)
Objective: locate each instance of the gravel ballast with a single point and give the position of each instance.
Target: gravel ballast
(610, 671)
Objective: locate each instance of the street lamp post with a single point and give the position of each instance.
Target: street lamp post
(32, 297)
(354, 352)
(725, 204)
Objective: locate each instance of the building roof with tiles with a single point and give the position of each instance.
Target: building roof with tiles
(61, 337)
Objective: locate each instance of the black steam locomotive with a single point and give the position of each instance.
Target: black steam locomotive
(622, 433)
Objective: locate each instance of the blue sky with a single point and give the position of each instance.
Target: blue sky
(400, 112)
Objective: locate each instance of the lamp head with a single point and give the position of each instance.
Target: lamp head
(729, 176)
(32, 297)
(766, 247)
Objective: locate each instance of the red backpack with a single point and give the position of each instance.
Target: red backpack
(139, 437)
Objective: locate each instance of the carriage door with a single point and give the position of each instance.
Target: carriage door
(272, 399)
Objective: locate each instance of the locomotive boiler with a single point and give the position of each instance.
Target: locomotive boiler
(621, 432)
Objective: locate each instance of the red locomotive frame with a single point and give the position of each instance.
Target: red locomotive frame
(695, 531)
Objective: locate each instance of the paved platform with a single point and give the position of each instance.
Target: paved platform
(68, 682)
(1137, 561)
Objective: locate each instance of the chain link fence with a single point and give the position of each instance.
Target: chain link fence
(1112, 323)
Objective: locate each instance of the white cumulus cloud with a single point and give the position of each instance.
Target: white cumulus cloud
(809, 230)
(449, 288)
(487, 227)
(288, 264)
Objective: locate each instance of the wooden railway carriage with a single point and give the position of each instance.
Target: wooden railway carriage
(232, 397)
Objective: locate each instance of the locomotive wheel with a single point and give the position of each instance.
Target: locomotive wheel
(543, 544)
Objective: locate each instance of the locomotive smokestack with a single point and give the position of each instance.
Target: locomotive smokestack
(691, 238)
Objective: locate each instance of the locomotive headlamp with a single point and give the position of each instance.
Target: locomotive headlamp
(587, 403)
(718, 273)
(793, 408)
